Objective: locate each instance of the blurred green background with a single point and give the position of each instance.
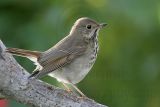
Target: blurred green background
(127, 71)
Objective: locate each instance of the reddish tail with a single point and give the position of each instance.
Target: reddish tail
(23, 53)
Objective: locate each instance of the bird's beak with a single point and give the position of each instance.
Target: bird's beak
(102, 25)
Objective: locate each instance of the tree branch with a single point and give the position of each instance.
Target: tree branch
(14, 84)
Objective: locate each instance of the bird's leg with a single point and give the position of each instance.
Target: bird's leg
(66, 87)
(78, 90)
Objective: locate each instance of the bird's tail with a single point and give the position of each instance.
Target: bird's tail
(24, 53)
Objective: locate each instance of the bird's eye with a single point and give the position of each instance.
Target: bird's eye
(88, 26)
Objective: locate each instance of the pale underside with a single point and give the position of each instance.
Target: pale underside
(75, 71)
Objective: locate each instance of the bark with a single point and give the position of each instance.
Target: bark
(14, 84)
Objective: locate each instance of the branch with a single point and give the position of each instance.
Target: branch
(14, 84)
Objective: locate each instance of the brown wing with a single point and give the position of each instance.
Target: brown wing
(58, 58)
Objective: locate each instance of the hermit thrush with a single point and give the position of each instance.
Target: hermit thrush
(70, 60)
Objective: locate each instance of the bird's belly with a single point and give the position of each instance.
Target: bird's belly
(76, 70)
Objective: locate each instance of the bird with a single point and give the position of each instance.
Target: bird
(70, 60)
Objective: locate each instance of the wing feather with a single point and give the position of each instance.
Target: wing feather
(58, 59)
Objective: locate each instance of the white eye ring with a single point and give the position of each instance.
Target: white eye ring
(88, 26)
